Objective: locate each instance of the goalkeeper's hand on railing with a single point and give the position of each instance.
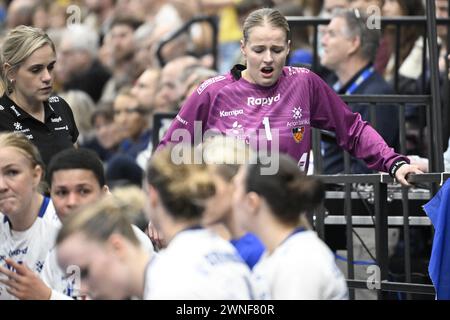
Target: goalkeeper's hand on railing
(402, 173)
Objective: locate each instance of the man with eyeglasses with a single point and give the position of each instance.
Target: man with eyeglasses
(349, 51)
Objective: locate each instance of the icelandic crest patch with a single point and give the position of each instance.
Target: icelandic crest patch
(298, 133)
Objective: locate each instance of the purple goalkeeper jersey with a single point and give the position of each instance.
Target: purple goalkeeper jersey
(283, 112)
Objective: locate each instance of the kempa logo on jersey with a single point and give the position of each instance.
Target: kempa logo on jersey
(231, 113)
(261, 102)
(2, 108)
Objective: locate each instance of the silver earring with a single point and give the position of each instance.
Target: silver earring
(11, 86)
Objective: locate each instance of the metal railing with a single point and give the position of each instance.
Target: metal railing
(434, 127)
(435, 153)
(381, 220)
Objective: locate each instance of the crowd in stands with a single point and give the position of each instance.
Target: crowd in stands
(121, 62)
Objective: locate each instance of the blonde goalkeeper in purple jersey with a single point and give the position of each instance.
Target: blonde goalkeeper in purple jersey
(279, 105)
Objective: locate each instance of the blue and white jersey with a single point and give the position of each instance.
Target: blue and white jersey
(198, 264)
(65, 284)
(51, 215)
(30, 247)
(301, 268)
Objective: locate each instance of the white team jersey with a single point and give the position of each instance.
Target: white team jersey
(198, 264)
(144, 240)
(30, 247)
(51, 215)
(65, 284)
(301, 268)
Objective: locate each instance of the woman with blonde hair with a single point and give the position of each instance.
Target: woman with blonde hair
(277, 105)
(101, 242)
(77, 180)
(26, 236)
(224, 156)
(197, 263)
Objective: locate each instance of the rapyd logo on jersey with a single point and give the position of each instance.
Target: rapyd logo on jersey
(261, 102)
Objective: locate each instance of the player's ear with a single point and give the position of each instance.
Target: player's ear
(355, 45)
(243, 48)
(253, 202)
(37, 175)
(9, 70)
(152, 195)
(117, 244)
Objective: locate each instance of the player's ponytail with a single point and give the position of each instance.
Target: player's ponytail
(110, 215)
(289, 192)
(183, 184)
(308, 190)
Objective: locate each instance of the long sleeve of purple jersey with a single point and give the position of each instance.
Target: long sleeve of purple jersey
(329, 112)
(196, 108)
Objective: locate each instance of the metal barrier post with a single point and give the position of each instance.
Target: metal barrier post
(381, 233)
(438, 163)
(317, 154)
(405, 204)
(349, 235)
